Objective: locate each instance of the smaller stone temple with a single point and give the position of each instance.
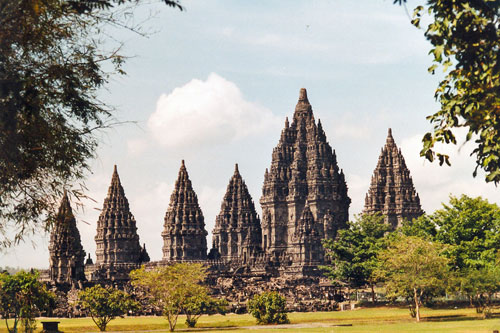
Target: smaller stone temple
(391, 189)
(117, 239)
(65, 247)
(184, 234)
(237, 231)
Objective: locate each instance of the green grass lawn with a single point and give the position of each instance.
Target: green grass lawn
(382, 319)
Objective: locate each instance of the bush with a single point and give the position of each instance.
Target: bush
(268, 308)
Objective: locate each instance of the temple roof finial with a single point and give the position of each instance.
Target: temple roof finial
(236, 168)
(390, 139)
(303, 95)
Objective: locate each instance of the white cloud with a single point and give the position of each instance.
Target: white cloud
(136, 147)
(435, 183)
(207, 112)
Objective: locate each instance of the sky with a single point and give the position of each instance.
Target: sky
(213, 84)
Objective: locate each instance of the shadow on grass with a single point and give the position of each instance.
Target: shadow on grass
(459, 317)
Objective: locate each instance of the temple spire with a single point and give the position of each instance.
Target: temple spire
(391, 191)
(117, 239)
(237, 231)
(65, 247)
(184, 234)
(303, 169)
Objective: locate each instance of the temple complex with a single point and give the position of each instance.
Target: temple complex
(391, 190)
(65, 247)
(184, 234)
(117, 239)
(304, 200)
(304, 197)
(237, 231)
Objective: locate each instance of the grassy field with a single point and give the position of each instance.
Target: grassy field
(383, 319)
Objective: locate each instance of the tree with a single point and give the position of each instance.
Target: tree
(171, 288)
(472, 227)
(268, 308)
(353, 254)
(412, 268)
(52, 64)
(105, 304)
(465, 41)
(198, 305)
(422, 227)
(480, 284)
(22, 297)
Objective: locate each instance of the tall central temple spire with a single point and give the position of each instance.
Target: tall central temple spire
(184, 234)
(303, 171)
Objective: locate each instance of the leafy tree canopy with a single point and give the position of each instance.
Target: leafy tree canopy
(105, 304)
(172, 288)
(412, 268)
(465, 40)
(52, 64)
(353, 254)
(472, 227)
(22, 298)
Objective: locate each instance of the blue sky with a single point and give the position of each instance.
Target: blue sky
(214, 84)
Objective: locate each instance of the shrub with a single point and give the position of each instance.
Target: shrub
(268, 308)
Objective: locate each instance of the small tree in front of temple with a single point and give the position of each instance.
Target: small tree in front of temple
(172, 288)
(105, 304)
(352, 255)
(198, 305)
(413, 268)
(22, 297)
(268, 308)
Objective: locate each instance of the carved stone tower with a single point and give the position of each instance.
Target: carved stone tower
(391, 190)
(303, 171)
(117, 239)
(65, 247)
(184, 234)
(237, 231)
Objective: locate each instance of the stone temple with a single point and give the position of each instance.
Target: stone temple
(304, 200)
(65, 247)
(391, 190)
(184, 234)
(304, 197)
(237, 235)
